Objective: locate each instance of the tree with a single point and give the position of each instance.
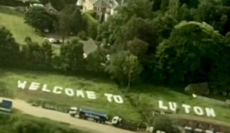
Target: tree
(37, 57)
(58, 4)
(92, 25)
(187, 56)
(71, 21)
(138, 48)
(40, 19)
(219, 73)
(9, 49)
(115, 67)
(136, 9)
(71, 57)
(95, 61)
(132, 69)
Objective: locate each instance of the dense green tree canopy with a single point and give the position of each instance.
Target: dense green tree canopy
(166, 42)
(40, 19)
(176, 41)
(9, 49)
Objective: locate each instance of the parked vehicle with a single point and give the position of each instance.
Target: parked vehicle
(122, 123)
(103, 118)
(88, 114)
(6, 106)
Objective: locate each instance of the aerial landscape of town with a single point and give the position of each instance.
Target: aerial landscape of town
(114, 66)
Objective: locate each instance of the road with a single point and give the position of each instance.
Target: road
(65, 118)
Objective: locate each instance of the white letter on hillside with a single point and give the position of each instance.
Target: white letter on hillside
(109, 97)
(172, 106)
(91, 94)
(210, 112)
(118, 99)
(69, 92)
(34, 86)
(22, 85)
(186, 108)
(44, 88)
(80, 93)
(161, 105)
(198, 110)
(57, 90)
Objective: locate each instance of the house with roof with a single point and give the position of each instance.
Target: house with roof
(103, 8)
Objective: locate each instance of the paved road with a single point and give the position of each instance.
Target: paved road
(62, 117)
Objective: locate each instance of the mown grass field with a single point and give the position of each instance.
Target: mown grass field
(9, 79)
(14, 21)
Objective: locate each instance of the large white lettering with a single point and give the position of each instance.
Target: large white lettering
(69, 92)
(22, 84)
(80, 93)
(186, 108)
(44, 88)
(57, 90)
(91, 94)
(173, 106)
(198, 110)
(162, 106)
(109, 97)
(210, 112)
(34, 86)
(118, 99)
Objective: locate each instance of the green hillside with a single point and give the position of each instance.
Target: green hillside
(148, 100)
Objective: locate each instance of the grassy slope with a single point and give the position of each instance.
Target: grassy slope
(164, 94)
(8, 79)
(14, 21)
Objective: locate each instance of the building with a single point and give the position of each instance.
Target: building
(103, 8)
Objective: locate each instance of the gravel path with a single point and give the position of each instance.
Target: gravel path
(62, 117)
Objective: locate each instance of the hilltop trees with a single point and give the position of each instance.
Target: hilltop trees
(40, 19)
(71, 57)
(193, 47)
(37, 57)
(70, 21)
(171, 51)
(67, 21)
(9, 49)
(165, 42)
